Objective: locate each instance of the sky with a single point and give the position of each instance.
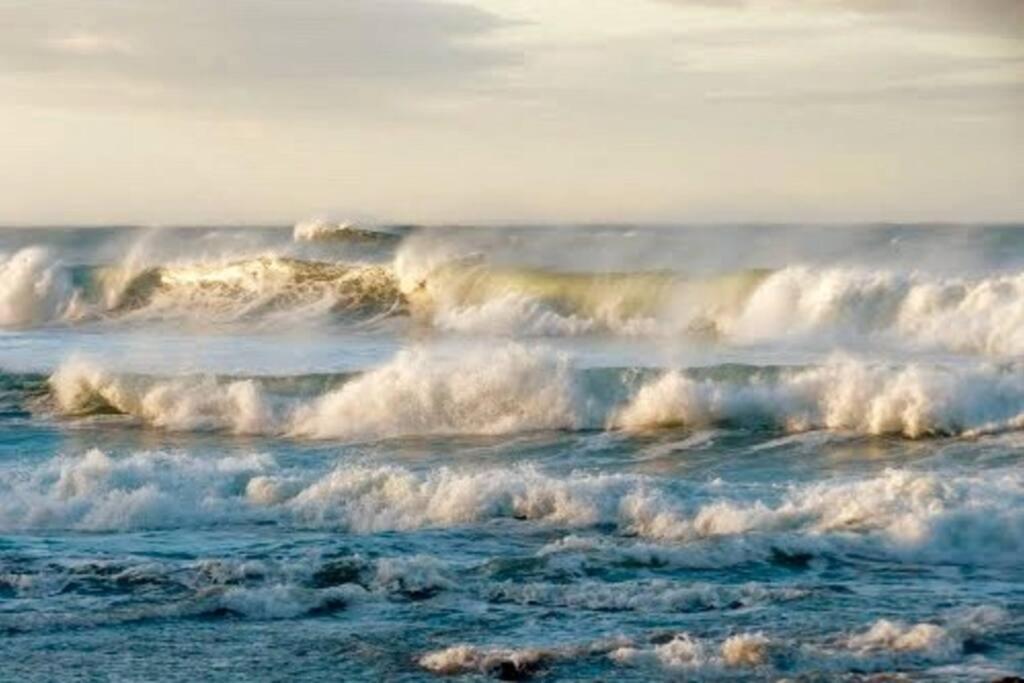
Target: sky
(442, 111)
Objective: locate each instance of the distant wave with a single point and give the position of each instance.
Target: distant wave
(798, 305)
(514, 389)
(322, 230)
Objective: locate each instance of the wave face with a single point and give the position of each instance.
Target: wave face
(516, 389)
(480, 298)
(795, 304)
(253, 289)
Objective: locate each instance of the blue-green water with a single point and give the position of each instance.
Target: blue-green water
(746, 453)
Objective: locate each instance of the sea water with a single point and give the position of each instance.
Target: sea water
(343, 452)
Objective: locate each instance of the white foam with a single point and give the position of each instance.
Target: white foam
(34, 288)
(497, 391)
(984, 315)
(892, 636)
(844, 394)
(796, 303)
(938, 641)
(462, 659)
(688, 653)
(513, 388)
(901, 514)
(745, 649)
(412, 574)
(366, 498)
(509, 663)
(144, 490)
(277, 601)
(184, 404)
(318, 229)
(577, 551)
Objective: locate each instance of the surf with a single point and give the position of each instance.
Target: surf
(515, 389)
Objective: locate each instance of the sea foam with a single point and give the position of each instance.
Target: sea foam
(912, 400)
(898, 514)
(34, 289)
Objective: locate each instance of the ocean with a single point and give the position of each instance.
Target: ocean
(400, 453)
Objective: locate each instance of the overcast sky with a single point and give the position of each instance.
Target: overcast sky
(179, 111)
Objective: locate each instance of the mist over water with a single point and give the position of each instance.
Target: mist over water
(402, 452)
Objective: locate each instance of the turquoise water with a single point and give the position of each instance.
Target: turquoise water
(744, 453)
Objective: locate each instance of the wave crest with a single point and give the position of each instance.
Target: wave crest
(845, 395)
(514, 389)
(184, 404)
(259, 287)
(34, 288)
(984, 315)
(506, 390)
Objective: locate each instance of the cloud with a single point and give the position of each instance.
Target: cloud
(1004, 17)
(836, 52)
(989, 16)
(452, 110)
(245, 51)
(85, 43)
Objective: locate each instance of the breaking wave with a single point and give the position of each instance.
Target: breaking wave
(476, 297)
(250, 290)
(984, 315)
(513, 389)
(897, 514)
(844, 395)
(822, 306)
(456, 292)
(34, 288)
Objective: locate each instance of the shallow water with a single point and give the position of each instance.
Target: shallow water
(560, 453)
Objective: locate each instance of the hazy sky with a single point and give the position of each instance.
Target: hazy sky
(171, 111)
